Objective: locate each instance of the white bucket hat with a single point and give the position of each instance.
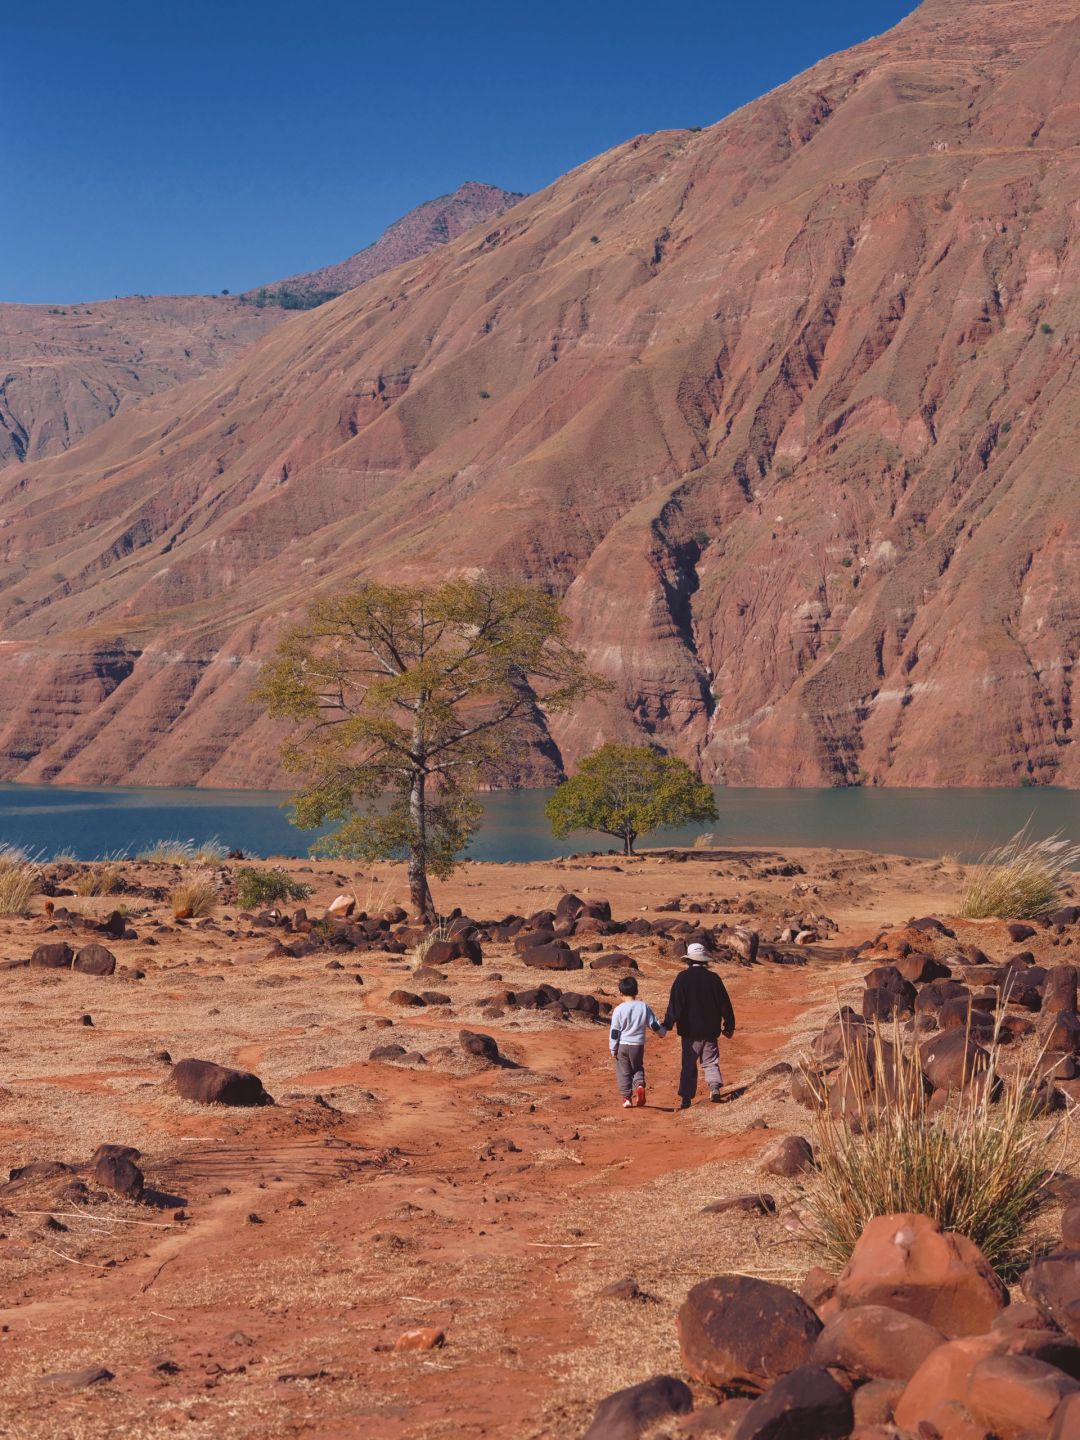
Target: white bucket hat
(696, 952)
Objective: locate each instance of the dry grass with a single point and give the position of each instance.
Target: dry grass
(979, 1166)
(1021, 879)
(441, 931)
(184, 852)
(19, 880)
(103, 877)
(195, 897)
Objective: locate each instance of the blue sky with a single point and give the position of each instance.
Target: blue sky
(160, 147)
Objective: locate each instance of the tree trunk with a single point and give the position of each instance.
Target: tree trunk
(628, 844)
(419, 890)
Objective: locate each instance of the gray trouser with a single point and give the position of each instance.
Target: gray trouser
(694, 1052)
(630, 1069)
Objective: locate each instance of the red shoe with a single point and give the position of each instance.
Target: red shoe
(639, 1096)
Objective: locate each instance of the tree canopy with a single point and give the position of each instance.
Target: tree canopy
(404, 700)
(626, 791)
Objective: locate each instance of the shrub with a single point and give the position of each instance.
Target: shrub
(978, 1167)
(1045, 329)
(195, 896)
(103, 877)
(1021, 879)
(19, 878)
(256, 889)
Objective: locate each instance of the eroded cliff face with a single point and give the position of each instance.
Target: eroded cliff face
(786, 408)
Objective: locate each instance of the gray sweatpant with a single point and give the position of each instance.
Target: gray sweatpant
(630, 1069)
(695, 1052)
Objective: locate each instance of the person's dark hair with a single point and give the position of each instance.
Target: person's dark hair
(628, 985)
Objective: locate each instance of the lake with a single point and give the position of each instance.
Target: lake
(96, 822)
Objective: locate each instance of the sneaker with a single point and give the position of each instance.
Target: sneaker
(628, 1104)
(684, 1104)
(714, 1094)
(639, 1095)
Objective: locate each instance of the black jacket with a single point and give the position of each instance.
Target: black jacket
(700, 1007)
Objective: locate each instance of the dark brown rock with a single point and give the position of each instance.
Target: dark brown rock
(209, 1084)
(94, 960)
(735, 1330)
(482, 1046)
(629, 1413)
(1053, 1284)
(808, 1403)
(753, 1204)
(788, 1157)
(552, 957)
(952, 1060)
(57, 956)
(120, 1175)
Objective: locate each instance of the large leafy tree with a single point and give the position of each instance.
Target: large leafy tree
(628, 790)
(404, 699)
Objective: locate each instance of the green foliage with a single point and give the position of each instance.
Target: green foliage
(255, 889)
(1045, 329)
(628, 790)
(405, 699)
(701, 538)
(287, 298)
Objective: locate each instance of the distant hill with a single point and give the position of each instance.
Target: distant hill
(64, 369)
(434, 223)
(786, 409)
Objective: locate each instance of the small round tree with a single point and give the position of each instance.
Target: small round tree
(628, 790)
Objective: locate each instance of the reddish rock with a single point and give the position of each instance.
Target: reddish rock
(114, 1152)
(952, 1060)
(788, 1157)
(211, 1084)
(908, 1263)
(875, 1402)
(1053, 1284)
(735, 1330)
(1016, 1395)
(818, 1287)
(480, 1045)
(552, 957)
(423, 1337)
(629, 1413)
(872, 1342)
(943, 1379)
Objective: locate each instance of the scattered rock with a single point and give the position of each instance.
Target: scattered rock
(1053, 1284)
(753, 1204)
(808, 1403)
(52, 957)
(629, 1413)
(909, 1263)
(94, 960)
(788, 1157)
(210, 1084)
(120, 1175)
(423, 1337)
(77, 1379)
(735, 1330)
(873, 1342)
(483, 1046)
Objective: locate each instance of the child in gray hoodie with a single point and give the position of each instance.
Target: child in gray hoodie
(629, 1021)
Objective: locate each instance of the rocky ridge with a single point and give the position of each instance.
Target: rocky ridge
(785, 408)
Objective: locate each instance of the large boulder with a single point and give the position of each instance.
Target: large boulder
(628, 1413)
(807, 1403)
(952, 1059)
(1053, 1284)
(737, 1331)
(94, 960)
(552, 957)
(909, 1263)
(210, 1084)
(1017, 1396)
(120, 1175)
(52, 957)
(873, 1342)
(939, 1387)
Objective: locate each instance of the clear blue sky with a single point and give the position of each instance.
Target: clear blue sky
(161, 147)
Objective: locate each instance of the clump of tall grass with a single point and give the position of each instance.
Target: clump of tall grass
(979, 1165)
(209, 852)
(168, 852)
(1021, 879)
(195, 897)
(19, 880)
(101, 877)
(441, 931)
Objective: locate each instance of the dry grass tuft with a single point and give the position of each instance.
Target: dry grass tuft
(103, 877)
(195, 897)
(168, 852)
(441, 931)
(979, 1166)
(19, 880)
(1021, 879)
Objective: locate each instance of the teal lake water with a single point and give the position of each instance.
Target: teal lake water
(95, 822)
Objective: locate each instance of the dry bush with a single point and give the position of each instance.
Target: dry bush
(1021, 879)
(209, 852)
(979, 1166)
(103, 877)
(703, 841)
(441, 931)
(195, 897)
(19, 880)
(168, 852)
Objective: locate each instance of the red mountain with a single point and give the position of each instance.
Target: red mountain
(787, 408)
